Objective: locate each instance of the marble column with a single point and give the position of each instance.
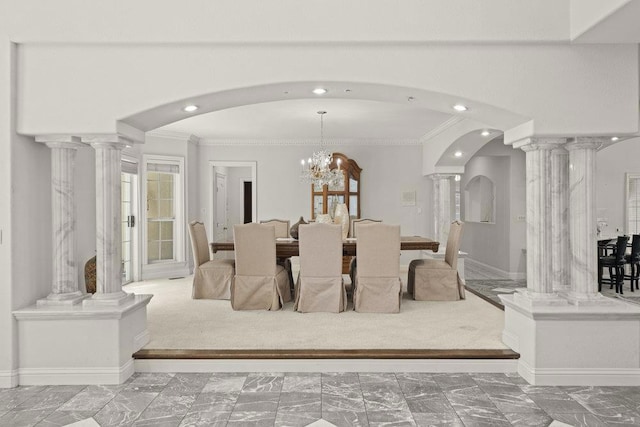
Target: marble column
(64, 286)
(539, 222)
(583, 225)
(442, 207)
(108, 223)
(560, 250)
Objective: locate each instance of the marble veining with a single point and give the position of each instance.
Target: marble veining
(411, 399)
(442, 206)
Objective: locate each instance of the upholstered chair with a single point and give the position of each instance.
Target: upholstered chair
(355, 222)
(260, 283)
(211, 277)
(377, 285)
(320, 286)
(615, 263)
(282, 232)
(435, 279)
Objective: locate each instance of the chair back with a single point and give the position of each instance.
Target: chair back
(453, 244)
(621, 248)
(255, 249)
(378, 250)
(355, 222)
(199, 243)
(320, 250)
(635, 246)
(282, 227)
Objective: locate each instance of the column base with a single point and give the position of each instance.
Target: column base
(65, 299)
(112, 299)
(581, 299)
(527, 298)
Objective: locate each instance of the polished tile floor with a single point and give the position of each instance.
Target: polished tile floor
(300, 399)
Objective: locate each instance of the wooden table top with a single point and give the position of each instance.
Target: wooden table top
(289, 247)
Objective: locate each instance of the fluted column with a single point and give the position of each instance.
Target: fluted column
(64, 286)
(442, 207)
(583, 226)
(108, 223)
(560, 248)
(539, 222)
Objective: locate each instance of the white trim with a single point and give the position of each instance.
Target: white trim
(75, 376)
(165, 269)
(511, 340)
(9, 379)
(441, 128)
(254, 188)
(361, 142)
(498, 272)
(327, 365)
(579, 376)
(141, 340)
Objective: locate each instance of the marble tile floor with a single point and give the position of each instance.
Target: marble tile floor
(302, 399)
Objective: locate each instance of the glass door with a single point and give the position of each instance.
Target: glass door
(128, 226)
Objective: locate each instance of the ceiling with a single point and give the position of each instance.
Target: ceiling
(298, 119)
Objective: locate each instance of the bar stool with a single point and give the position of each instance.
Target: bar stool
(633, 259)
(615, 263)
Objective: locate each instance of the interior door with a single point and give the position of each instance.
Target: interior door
(128, 226)
(221, 208)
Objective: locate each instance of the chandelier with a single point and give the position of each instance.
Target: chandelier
(317, 170)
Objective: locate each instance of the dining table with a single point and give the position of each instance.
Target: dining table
(288, 247)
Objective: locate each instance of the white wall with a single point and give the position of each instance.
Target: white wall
(506, 237)
(193, 187)
(612, 163)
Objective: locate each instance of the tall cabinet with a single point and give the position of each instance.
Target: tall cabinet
(325, 198)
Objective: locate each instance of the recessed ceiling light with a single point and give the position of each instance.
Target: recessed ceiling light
(286, 92)
(458, 154)
(347, 90)
(615, 138)
(485, 133)
(190, 108)
(460, 107)
(411, 98)
(319, 91)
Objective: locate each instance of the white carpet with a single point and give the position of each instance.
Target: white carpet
(176, 321)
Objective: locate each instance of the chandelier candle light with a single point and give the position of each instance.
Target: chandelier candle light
(317, 170)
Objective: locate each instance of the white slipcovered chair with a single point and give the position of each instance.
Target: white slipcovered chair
(211, 277)
(377, 284)
(355, 222)
(320, 286)
(281, 225)
(435, 279)
(260, 283)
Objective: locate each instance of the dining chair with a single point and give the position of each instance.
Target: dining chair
(259, 283)
(633, 259)
(355, 222)
(282, 232)
(615, 263)
(211, 277)
(376, 278)
(436, 279)
(320, 287)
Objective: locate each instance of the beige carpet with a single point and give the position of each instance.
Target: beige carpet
(176, 321)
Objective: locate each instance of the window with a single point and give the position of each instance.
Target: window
(163, 210)
(633, 203)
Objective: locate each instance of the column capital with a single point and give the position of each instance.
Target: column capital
(113, 140)
(587, 142)
(539, 143)
(60, 141)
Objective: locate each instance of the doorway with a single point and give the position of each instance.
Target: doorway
(129, 203)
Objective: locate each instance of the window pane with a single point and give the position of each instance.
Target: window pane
(166, 190)
(166, 177)
(153, 230)
(153, 251)
(166, 209)
(167, 250)
(353, 206)
(353, 185)
(166, 230)
(152, 209)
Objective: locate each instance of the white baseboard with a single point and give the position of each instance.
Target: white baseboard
(9, 379)
(579, 376)
(511, 340)
(165, 270)
(498, 272)
(75, 376)
(328, 365)
(141, 340)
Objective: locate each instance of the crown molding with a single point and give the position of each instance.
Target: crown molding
(183, 136)
(309, 141)
(441, 128)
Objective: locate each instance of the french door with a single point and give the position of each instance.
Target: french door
(129, 226)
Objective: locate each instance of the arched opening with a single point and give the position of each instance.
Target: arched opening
(480, 200)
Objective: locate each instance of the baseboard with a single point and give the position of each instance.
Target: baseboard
(510, 340)
(9, 379)
(498, 272)
(75, 376)
(329, 365)
(579, 376)
(141, 340)
(164, 270)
